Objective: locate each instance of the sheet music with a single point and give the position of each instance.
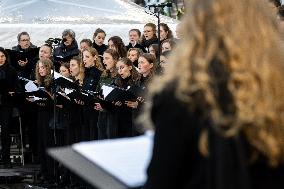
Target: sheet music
(68, 91)
(106, 90)
(31, 86)
(34, 98)
(126, 159)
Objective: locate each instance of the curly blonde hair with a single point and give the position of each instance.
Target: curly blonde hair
(229, 66)
(44, 80)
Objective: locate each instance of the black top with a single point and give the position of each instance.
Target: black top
(8, 83)
(101, 49)
(177, 163)
(144, 81)
(92, 78)
(147, 43)
(31, 54)
(137, 45)
(64, 53)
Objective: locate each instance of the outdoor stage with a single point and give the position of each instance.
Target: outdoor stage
(20, 177)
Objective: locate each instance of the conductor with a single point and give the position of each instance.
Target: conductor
(218, 110)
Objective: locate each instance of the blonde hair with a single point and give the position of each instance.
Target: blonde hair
(229, 66)
(44, 80)
(95, 54)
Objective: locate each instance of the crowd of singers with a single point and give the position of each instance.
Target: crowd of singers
(90, 65)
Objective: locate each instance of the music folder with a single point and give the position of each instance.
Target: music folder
(64, 82)
(88, 97)
(62, 98)
(113, 93)
(109, 164)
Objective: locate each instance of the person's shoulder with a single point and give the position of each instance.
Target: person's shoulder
(94, 71)
(57, 50)
(16, 48)
(167, 97)
(32, 46)
(104, 46)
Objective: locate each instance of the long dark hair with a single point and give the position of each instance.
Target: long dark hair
(115, 56)
(167, 29)
(119, 45)
(152, 60)
(5, 53)
(135, 76)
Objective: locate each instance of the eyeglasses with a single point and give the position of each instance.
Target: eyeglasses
(23, 40)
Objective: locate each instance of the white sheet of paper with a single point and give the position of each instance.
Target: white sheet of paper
(106, 90)
(68, 91)
(31, 86)
(57, 75)
(126, 159)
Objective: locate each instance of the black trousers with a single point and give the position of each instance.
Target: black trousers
(45, 141)
(5, 120)
(73, 126)
(89, 126)
(107, 125)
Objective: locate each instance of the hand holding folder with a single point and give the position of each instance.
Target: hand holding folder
(33, 92)
(113, 93)
(85, 96)
(64, 82)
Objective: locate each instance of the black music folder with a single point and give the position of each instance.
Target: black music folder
(62, 98)
(113, 93)
(109, 164)
(88, 97)
(64, 82)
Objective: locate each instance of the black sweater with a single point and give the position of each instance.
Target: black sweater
(65, 53)
(92, 78)
(26, 71)
(146, 43)
(101, 49)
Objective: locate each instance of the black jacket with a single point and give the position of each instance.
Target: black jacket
(26, 71)
(101, 49)
(137, 45)
(177, 162)
(8, 83)
(65, 53)
(147, 43)
(92, 78)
